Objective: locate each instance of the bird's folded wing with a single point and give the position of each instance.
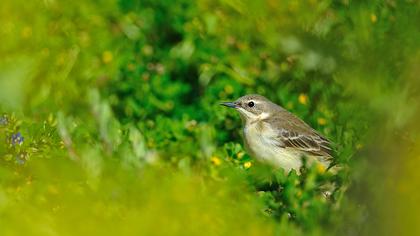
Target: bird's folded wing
(307, 142)
(292, 132)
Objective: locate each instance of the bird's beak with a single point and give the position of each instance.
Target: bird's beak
(229, 104)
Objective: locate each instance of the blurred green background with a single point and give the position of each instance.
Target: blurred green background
(110, 120)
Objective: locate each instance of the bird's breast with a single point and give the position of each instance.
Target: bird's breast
(259, 138)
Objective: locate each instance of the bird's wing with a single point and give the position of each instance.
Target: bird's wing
(292, 132)
(306, 142)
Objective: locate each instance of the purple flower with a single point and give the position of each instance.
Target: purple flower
(17, 139)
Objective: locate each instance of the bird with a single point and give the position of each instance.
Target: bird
(277, 137)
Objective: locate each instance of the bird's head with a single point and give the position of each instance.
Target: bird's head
(252, 107)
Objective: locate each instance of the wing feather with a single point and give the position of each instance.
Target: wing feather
(293, 133)
(309, 143)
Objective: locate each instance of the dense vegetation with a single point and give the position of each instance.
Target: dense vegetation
(111, 120)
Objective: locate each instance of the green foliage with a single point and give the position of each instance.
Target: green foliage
(18, 147)
(112, 118)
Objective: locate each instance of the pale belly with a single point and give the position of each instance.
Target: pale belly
(264, 147)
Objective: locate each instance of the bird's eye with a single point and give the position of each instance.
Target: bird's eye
(251, 104)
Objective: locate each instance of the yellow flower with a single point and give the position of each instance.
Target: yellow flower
(373, 18)
(107, 57)
(322, 121)
(216, 161)
(303, 99)
(320, 168)
(359, 146)
(240, 155)
(247, 164)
